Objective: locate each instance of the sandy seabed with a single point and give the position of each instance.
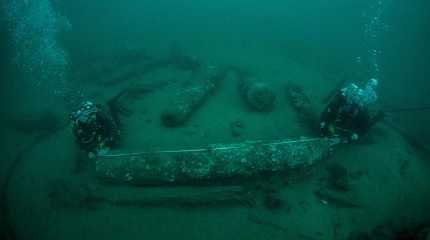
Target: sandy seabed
(388, 180)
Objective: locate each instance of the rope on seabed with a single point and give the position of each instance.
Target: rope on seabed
(4, 208)
(408, 109)
(411, 139)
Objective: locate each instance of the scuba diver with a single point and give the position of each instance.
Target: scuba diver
(94, 128)
(347, 115)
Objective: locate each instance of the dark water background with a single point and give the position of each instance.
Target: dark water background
(330, 35)
(332, 38)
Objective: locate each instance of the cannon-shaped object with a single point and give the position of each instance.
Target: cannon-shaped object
(213, 163)
(259, 96)
(189, 99)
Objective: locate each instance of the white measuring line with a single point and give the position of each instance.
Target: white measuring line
(211, 149)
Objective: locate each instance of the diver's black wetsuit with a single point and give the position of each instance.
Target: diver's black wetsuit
(98, 131)
(347, 120)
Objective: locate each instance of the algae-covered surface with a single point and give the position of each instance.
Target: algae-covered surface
(137, 58)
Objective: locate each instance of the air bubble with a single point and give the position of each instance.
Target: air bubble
(35, 27)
